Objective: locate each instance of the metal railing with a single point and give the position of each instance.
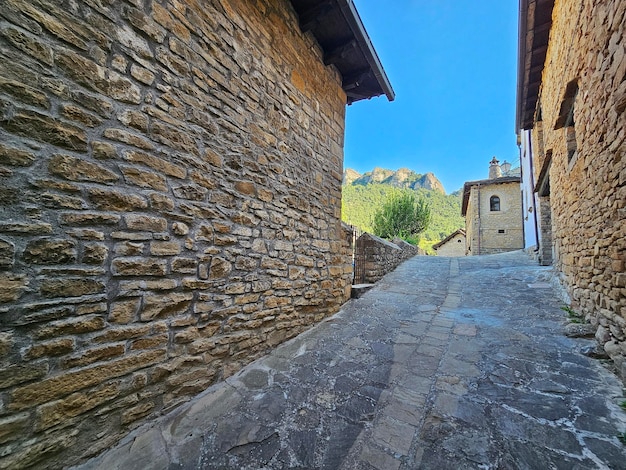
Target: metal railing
(358, 258)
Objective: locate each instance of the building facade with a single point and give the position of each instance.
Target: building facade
(493, 213)
(171, 196)
(453, 245)
(571, 122)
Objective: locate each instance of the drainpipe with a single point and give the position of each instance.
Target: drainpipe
(479, 234)
(532, 187)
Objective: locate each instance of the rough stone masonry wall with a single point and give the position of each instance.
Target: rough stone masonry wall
(482, 225)
(171, 176)
(472, 223)
(508, 218)
(588, 196)
(381, 256)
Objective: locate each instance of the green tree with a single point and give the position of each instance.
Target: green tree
(402, 215)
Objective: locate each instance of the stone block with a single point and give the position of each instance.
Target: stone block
(247, 188)
(61, 201)
(15, 157)
(40, 127)
(91, 355)
(184, 265)
(136, 412)
(25, 228)
(7, 254)
(103, 150)
(70, 326)
(24, 93)
(56, 347)
(14, 426)
(12, 286)
(95, 253)
(219, 268)
(145, 222)
(134, 119)
(161, 248)
(65, 383)
(122, 333)
(155, 306)
(60, 412)
(50, 251)
(79, 116)
(135, 266)
(20, 373)
(150, 342)
(129, 138)
(142, 75)
(88, 218)
(124, 311)
(71, 287)
(162, 202)
(114, 200)
(7, 341)
(158, 164)
(29, 44)
(143, 178)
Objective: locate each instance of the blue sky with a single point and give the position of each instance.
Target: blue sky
(453, 66)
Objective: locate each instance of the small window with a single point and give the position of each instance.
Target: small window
(501, 230)
(566, 119)
(494, 203)
(459, 241)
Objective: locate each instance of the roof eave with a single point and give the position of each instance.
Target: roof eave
(467, 187)
(535, 21)
(367, 48)
(339, 31)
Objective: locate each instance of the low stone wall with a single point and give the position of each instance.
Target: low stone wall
(381, 256)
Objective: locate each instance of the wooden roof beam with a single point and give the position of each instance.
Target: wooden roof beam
(355, 80)
(311, 17)
(340, 52)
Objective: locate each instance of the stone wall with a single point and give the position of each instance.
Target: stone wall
(472, 222)
(490, 232)
(380, 256)
(587, 51)
(171, 202)
(501, 230)
(545, 222)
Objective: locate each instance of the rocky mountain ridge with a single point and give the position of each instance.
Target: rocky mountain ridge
(401, 178)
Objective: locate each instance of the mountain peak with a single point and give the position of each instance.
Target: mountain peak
(401, 178)
(350, 175)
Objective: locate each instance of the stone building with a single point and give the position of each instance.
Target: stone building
(571, 124)
(493, 213)
(453, 245)
(171, 196)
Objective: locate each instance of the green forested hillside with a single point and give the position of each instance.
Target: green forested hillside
(359, 203)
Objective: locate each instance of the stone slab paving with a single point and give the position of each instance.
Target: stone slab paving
(447, 363)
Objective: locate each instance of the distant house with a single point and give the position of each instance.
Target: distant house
(571, 125)
(452, 245)
(493, 213)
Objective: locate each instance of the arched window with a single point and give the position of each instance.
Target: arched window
(494, 203)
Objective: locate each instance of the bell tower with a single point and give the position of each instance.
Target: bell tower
(494, 169)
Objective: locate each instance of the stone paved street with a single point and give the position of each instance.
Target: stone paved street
(444, 364)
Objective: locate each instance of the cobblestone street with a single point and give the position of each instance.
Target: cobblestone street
(447, 363)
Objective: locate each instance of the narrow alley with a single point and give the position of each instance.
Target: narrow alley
(447, 363)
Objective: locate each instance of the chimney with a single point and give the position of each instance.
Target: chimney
(494, 169)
